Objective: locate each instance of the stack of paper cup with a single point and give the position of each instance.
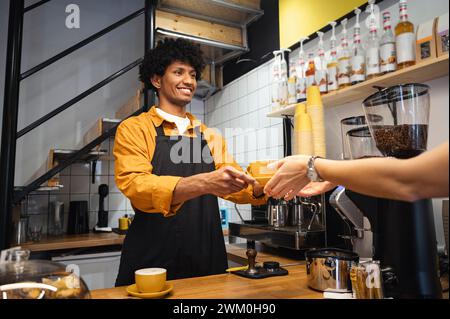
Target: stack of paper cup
(302, 131)
(314, 108)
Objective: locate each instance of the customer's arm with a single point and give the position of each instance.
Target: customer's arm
(424, 176)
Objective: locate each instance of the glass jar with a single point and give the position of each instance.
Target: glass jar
(21, 278)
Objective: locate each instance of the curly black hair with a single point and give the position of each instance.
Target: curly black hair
(166, 52)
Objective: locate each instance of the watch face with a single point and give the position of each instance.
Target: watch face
(311, 174)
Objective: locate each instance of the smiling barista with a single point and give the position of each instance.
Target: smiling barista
(172, 168)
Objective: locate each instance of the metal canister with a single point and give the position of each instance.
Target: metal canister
(277, 212)
(328, 269)
(366, 280)
(296, 213)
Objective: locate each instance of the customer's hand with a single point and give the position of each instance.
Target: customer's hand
(316, 188)
(289, 179)
(227, 180)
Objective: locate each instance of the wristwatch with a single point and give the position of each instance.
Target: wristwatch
(311, 172)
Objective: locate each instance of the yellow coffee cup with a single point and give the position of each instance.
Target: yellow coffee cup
(150, 279)
(124, 223)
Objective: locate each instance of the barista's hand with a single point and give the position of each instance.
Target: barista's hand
(316, 188)
(290, 177)
(227, 180)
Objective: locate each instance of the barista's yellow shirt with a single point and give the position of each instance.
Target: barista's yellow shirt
(134, 146)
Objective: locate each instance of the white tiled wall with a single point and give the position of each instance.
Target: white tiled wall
(418, 12)
(239, 113)
(246, 101)
(78, 186)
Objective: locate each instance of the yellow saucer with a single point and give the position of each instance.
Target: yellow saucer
(132, 290)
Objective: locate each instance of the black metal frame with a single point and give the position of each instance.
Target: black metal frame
(287, 124)
(150, 27)
(8, 196)
(10, 114)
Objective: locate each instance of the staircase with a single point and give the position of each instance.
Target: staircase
(219, 26)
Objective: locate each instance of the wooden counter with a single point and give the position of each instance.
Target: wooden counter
(78, 241)
(230, 286)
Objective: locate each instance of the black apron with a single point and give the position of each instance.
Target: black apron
(188, 244)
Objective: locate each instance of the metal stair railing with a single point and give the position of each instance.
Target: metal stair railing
(24, 191)
(81, 44)
(78, 98)
(13, 77)
(35, 5)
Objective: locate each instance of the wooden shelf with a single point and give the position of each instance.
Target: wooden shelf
(62, 155)
(213, 50)
(75, 241)
(419, 73)
(227, 12)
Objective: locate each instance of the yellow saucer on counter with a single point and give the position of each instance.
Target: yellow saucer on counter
(132, 290)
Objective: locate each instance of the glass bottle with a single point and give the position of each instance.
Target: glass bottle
(332, 62)
(276, 81)
(301, 77)
(283, 93)
(344, 59)
(373, 48)
(292, 81)
(388, 55)
(405, 39)
(311, 71)
(357, 61)
(321, 66)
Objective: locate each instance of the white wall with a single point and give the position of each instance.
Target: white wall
(235, 106)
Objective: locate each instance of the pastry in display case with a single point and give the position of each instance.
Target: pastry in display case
(21, 278)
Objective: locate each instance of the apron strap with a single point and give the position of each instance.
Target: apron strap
(197, 131)
(159, 130)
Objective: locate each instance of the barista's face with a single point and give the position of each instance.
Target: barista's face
(177, 85)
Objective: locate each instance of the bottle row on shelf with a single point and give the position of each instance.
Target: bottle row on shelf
(349, 65)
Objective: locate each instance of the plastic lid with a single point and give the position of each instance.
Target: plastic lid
(360, 132)
(361, 120)
(396, 93)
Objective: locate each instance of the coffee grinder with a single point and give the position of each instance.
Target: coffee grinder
(402, 233)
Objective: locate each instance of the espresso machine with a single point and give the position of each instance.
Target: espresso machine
(401, 235)
(298, 224)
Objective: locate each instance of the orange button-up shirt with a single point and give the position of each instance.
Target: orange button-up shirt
(134, 147)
